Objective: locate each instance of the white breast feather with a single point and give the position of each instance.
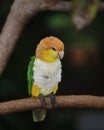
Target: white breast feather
(46, 75)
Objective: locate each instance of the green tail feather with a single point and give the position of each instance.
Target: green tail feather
(39, 115)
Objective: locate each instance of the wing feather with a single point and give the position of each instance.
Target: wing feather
(30, 74)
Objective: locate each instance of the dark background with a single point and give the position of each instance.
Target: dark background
(82, 70)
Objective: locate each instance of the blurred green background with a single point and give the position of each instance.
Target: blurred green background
(82, 70)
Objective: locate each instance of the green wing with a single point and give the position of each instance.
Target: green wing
(30, 74)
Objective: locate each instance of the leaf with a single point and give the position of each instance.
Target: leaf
(84, 11)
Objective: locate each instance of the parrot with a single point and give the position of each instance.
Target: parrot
(44, 73)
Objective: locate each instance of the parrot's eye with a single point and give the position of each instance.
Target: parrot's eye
(53, 48)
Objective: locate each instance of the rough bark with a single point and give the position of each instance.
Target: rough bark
(72, 101)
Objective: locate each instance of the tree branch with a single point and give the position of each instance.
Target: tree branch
(65, 6)
(84, 101)
(21, 12)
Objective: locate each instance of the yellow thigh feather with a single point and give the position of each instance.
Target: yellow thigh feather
(35, 91)
(55, 89)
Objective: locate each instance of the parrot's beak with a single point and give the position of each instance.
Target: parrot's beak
(61, 54)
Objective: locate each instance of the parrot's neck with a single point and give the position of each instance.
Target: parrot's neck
(37, 60)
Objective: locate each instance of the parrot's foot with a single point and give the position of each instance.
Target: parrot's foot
(42, 100)
(53, 100)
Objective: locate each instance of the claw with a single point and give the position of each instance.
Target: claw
(53, 100)
(42, 100)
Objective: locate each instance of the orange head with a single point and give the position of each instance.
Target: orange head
(50, 49)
